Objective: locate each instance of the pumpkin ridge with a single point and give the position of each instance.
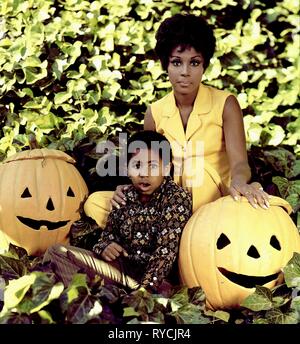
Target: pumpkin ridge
(62, 171)
(15, 174)
(190, 245)
(222, 205)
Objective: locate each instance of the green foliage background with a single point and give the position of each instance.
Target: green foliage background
(75, 72)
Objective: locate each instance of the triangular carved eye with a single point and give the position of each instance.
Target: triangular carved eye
(26, 194)
(70, 192)
(275, 243)
(222, 241)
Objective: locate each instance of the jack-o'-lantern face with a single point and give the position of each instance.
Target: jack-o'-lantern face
(229, 247)
(247, 281)
(42, 224)
(40, 195)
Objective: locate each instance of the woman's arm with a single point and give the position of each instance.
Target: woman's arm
(237, 154)
(149, 123)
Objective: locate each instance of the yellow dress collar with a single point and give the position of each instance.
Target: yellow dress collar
(174, 126)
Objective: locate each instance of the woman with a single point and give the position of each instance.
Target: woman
(203, 124)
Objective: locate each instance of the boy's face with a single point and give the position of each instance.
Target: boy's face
(146, 171)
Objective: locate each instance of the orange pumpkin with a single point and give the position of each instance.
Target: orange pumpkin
(229, 247)
(40, 196)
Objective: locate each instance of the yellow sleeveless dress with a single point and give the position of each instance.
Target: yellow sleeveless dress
(200, 161)
(199, 157)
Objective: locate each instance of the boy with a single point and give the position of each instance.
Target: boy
(140, 242)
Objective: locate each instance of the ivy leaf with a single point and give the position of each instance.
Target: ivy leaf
(14, 251)
(62, 97)
(83, 308)
(162, 301)
(179, 299)
(260, 300)
(282, 184)
(77, 285)
(279, 301)
(42, 292)
(129, 312)
(33, 74)
(276, 316)
(294, 187)
(196, 296)
(11, 268)
(135, 321)
(46, 317)
(254, 132)
(280, 154)
(292, 271)
(15, 318)
(189, 314)
(18, 252)
(110, 293)
(272, 135)
(222, 315)
(16, 290)
(296, 302)
(260, 321)
(294, 201)
(157, 318)
(281, 160)
(295, 170)
(141, 300)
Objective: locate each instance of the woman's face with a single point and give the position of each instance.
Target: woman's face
(185, 70)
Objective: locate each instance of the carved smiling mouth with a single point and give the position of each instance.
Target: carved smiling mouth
(246, 280)
(36, 224)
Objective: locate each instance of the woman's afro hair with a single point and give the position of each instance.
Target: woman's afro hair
(184, 30)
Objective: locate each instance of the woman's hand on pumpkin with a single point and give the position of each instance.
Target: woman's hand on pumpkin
(113, 251)
(118, 196)
(254, 192)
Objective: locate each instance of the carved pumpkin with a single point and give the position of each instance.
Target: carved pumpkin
(40, 196)
(229, 247)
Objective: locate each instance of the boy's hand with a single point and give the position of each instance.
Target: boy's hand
(113, 251)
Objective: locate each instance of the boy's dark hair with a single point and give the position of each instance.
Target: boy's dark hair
(184, 30)
(152, 140)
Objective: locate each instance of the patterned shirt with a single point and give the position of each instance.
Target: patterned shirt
(150, 232)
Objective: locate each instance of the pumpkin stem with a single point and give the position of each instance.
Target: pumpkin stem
(33, 144)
